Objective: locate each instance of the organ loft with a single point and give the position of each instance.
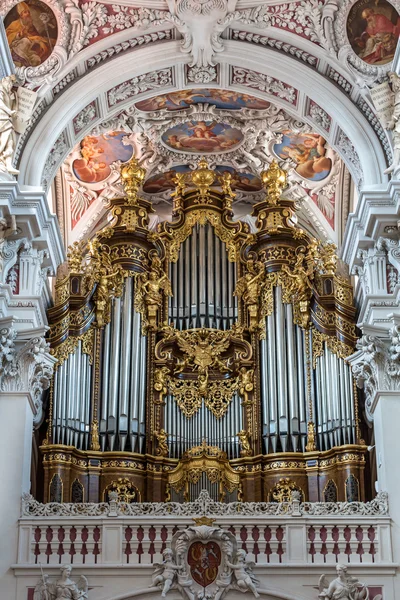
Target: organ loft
(202, 355)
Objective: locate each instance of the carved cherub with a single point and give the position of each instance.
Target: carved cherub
(344, 587)
(165, 573)
(160, 379)
(245, 578)
(162, 437)
(244, 442)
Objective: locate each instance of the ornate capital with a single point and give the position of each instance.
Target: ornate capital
(376, 365)
(25, 366)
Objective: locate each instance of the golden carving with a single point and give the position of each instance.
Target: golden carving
(161, 437)
(210, 460)
(186, 396)
(202, 216)
(244, 442)
(204, 521)
(226, 181)
(202, 348)
(132, 175)
(148, 293)
(125, 490)
(219, 395)
(274, 180)
(300, 284)
(329, 258)
(203, 178)
(95, 443)
(283, 491)
(249, 287)
(311, 437)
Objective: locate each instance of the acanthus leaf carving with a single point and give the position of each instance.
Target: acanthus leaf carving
(28, 369)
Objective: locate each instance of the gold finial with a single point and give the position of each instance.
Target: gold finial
(203, 178)
(204, 521)
(274, 180)
(132, 175)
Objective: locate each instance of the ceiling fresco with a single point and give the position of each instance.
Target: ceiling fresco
(227, 99)
(170, 133)
(246, 182)
(310, 153)
(202, 136)
(97, 153)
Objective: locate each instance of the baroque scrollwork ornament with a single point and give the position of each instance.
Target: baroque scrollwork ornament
(204, 562)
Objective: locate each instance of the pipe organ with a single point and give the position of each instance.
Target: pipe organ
(203, 355)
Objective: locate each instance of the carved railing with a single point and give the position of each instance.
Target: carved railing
(278, 533)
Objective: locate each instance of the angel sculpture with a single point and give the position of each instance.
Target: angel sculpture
(300, 278)
(165, 573)
(344, 587)
(63, 589)
(8, 105)
(243, 569)
(249, 285)
(148, 295)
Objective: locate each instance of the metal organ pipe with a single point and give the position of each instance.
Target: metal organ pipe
(335, 406)
(186, 433)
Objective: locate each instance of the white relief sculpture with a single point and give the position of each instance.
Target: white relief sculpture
(8, 110)
(201, 23)
(63, 588)
(243, 571)
(166, 572)
(344, 587)
(394, 124)
(204, 504)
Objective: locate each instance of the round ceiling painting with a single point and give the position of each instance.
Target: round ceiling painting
(308, 151)
(373, 29)
(182, 99)
(97, 153)
(202, 136)
(31, 30)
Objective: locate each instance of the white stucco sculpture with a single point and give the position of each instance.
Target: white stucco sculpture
(243, 571)
(165, 573)
(344, 587)
(201, 22)
(8, 106)
(63, 588)
(394, 124)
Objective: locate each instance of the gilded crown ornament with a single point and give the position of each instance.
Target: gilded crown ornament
(203, 178)
(275, 181)
(132, 175)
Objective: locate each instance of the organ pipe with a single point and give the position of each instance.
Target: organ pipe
(156, 303)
